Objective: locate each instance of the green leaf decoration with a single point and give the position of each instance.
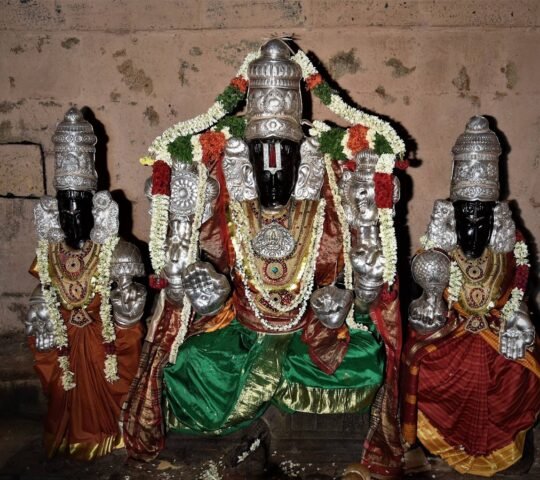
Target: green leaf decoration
(382, 145)
(236, 125)
(323, 92)
(181, 149)
(230, 98)
(330, 142)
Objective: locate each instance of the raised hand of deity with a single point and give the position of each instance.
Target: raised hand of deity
(331, 305)
(38, 323)
(206, 289)
(517, 334)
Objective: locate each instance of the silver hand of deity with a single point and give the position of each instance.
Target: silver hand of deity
(368, 265)
(517, 334)
(431, 270)
(206, 289)
(128, 300)
(428, 313)
(331, 305)
(176, 254)
(38, 323)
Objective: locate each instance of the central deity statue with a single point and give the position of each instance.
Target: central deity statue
(275, 265)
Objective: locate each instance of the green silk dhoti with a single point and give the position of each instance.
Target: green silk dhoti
(224, 380)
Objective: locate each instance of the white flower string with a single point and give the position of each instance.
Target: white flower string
(242, 247)
(102, 286)
(245, 255)
(348, 270)
(158, 148)
(158, 231)
(352, 114)
(455, 283)
(521, 253)
(193, 250)
(53, 305)
(521, 256)
(387, 235)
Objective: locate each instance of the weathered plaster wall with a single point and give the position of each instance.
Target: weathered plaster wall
(141, 66)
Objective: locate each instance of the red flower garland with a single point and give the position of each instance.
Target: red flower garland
(357, 138)
(384, 190)
(313, 80)
(402, 164)
(213, 145)
(240, 84)
(161, 178)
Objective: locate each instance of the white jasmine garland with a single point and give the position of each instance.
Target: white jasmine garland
(318, 128)
(512, 305)
(103, 287)
(353, 115)
(386, 163)
(51, 300)
(111, 368)
(242, 245)
(387, 235)
(344, 141)
(521, 253)
(521, 256)
(158, 231)
(68, 377)
(305, 64)
(455, 283)
(158, 148)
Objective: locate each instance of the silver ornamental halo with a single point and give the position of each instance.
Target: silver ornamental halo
(273, 242)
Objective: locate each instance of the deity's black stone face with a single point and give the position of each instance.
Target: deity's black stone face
(275, 165)
(76, 220)
(474, 224)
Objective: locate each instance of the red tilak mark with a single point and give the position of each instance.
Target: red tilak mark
(272, 160)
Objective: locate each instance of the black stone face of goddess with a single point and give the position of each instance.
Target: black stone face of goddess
(275, 164)
(76, 219)
(474, 225)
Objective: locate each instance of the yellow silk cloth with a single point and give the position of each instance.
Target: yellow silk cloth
(484, 466)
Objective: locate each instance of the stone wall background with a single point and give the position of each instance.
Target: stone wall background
(140, 66)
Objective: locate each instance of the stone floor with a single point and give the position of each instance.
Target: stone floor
(305, 447)
(21, 458)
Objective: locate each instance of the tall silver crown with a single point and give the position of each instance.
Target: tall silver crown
(274, 101)
(475, 174)
(74, 147)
